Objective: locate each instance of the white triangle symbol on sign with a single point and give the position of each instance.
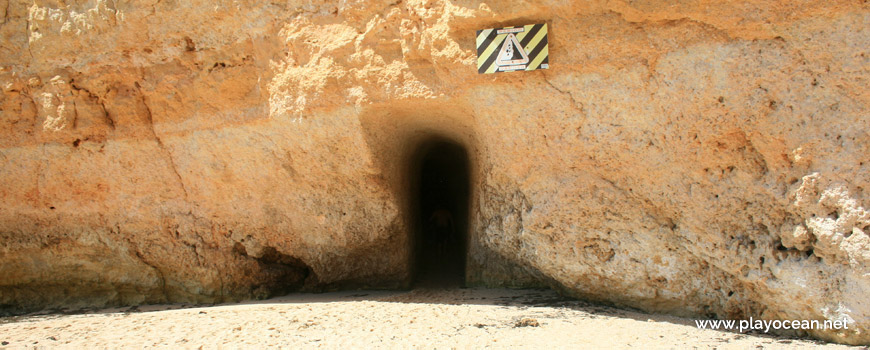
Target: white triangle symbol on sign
(507, 52)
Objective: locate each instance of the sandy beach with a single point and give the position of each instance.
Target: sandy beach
(421, 318)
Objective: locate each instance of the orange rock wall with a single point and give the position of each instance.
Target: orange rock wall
(702, 158)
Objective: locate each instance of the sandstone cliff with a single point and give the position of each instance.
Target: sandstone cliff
(702, 158)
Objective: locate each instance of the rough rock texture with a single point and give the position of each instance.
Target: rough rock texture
(704, 158)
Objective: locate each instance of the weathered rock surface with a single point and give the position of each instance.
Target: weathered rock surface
(699, 158)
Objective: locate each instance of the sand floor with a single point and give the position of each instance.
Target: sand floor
(422, 318)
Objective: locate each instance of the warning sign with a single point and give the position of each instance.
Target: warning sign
(512, 49)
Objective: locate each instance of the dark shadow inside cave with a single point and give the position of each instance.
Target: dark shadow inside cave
(440, 201)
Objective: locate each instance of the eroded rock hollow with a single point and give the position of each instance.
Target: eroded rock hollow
(706, 159)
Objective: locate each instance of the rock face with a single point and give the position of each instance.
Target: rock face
(702, 158)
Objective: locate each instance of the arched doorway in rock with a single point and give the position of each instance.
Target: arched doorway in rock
(440, 203)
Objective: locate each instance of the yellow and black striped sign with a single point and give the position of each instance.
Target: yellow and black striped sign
(512, 49)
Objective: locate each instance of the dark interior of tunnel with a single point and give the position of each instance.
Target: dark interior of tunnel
(440, 206)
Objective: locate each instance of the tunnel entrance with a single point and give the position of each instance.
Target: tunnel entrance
(440, 204)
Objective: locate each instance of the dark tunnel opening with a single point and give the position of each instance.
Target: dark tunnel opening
(440, 204)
